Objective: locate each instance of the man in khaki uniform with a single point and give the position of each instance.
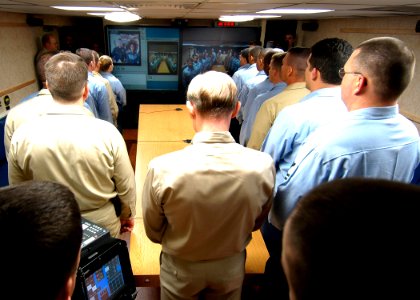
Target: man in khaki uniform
(69, 146)
(203, 202)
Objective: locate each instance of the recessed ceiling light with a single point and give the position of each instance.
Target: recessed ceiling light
(122, 17)
(88, 8)
(294, 11)
(237, 18)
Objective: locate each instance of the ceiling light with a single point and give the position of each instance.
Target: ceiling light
(294, 11)
(88, 8)
(266, 16)
(122, 17)
(237, 18)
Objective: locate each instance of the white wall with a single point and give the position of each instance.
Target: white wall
(358, 30)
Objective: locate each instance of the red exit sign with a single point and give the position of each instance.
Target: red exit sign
(225, 24)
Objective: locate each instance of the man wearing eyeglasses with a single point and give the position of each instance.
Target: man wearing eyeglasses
(372, 141)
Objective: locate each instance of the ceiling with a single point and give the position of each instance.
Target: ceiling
(212, 9)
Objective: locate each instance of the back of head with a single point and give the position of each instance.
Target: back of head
(389, 63)
(212, 93)
(267, 58)
(328, 56)
(277, 60)
(352, 239)
(41, 231)
(245, 54)
(105, 62)
(297, 58)
(255, 52)
(86, 54)
(66, 76)
(40, 64)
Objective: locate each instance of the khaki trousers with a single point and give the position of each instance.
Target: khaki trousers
(214, 279)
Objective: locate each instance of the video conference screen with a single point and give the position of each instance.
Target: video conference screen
(105, 282)
(145, 58)
(218, 49)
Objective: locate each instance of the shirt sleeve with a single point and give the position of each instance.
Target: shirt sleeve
(262, 125)
(124, 178)
(103, 107)
(154, 219)
(280, 138)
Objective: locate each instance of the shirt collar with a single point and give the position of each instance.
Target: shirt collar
(213, 137)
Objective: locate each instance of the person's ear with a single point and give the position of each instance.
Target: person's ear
(191, 109)
(85, 92)
(236, 109)
(315, 73)
(359, 84)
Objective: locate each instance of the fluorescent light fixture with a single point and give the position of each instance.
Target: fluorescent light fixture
(296, 11)
(266, 16)
(99, 14)
(122, 17)
(88, 8)
(237, 18)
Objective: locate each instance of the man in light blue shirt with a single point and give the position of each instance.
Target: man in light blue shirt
(253, 81)
(244, 65)
(295, 122)
(372, 141)
(263, 86)
(254, 106)
(98, 98)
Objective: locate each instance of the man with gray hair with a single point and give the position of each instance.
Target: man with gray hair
(203, 202)
(68, 145)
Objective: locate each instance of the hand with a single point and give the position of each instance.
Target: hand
(127, 225)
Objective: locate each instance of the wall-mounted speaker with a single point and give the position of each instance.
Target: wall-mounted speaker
(32, 21)
(179, 23)
(310, 26)
(418, 26)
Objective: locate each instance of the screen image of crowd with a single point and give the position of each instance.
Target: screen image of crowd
(199, 59)
(162, 58)
(126, 49)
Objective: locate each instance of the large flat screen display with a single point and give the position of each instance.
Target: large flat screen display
(145, 58)
(218, 49)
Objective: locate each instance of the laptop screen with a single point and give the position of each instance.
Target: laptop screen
(105, 273)
(106, 281)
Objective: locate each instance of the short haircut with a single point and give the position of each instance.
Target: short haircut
(85, 54)
(105, 63)
(95, 56)
(40, 64)
(328, 56)
(389, 63)
(213, 93)
(255, 51)
(66, 75)
(267, 58)
(245, 54)
(355, 238)
(277, 60)
(298, 57)
(40, 226)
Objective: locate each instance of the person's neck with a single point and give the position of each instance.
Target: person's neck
(78, 102)
(364, 102)
(211, 124)
(322, 85)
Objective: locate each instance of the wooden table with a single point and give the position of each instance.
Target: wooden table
(163, 129)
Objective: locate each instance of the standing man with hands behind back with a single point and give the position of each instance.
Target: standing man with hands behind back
(68, 145)
(202, 203)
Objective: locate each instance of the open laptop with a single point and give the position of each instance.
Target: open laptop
(104, 270)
